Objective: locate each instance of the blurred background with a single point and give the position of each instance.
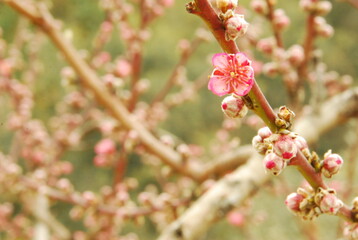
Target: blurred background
(196, 121)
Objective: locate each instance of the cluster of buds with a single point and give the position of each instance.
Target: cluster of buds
(322, 28)
(234, 106)
(279, 148)
(309, 204)
(316, 7)
(105, 152)
(235, 24)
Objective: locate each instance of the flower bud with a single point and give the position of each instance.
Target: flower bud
(274, 163)
(295, 55)
(236, 26)
(293, 202)
(330, 204)
(234, 107)
(285, 147)
(259, 145)
(225, 5)
(323, 7)
(280, 19)
(322, 28)
(331, 164)
(264, 132)
(266, 45)
(259, 6)
(300, 142)
(105, 147)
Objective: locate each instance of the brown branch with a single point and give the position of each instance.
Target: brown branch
(270, 17)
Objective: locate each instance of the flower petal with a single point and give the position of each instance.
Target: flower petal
(220, 61)
(218, 86)
(242, 59)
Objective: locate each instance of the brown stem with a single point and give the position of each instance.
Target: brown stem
(270, 17)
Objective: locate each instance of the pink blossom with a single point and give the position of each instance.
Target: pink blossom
(236, 218)
(232, 74)
(105, 146)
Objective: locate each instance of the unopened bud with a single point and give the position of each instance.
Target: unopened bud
(236, 26)
(331, 164)
(293, 202)
(234, 107)
(323, 7)
(295, 55)
(330, 204)
(259, 145)
(259, 6)
(225, 5)
(285, 147)
(280, 19)
(274, 163)
(264, 132)
(300, 142)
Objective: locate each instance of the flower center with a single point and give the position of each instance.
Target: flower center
(232, 74)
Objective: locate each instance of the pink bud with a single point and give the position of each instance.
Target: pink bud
(285, 147)
(105, 146)
(264, 132)
(331, 164)
(266, 45)
(296, 55)
(300, 142)
(234, 107)
(330, 204)
(236, 26)
(293, 202)
(123, 68)
(259, 6)
(236, 218)
(323, 7)
(270, 69)
(322, 28)
(274, 163)
(280, 19)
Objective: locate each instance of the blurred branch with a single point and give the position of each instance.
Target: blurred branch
(91, 81)
(234, 188)
(45, 220)
(42, 18)
(354, 3)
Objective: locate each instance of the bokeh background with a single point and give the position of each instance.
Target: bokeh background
(196, 121)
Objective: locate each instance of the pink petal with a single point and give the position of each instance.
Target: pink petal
(242, 59)
(218, 85)
(220, 61)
